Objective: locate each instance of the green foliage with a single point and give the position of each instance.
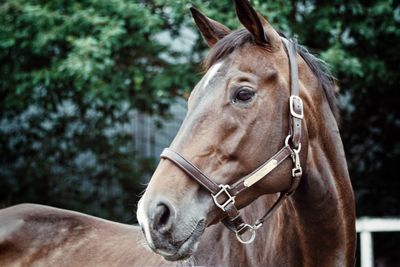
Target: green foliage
(97, 49)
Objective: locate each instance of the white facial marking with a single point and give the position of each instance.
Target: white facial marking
(144, 222)
(211, 73)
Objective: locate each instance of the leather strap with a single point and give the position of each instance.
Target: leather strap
(190, 170)
(259, 174)
(295, 102)
(234, 220)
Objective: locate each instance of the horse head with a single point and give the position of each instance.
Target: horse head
(239, 115)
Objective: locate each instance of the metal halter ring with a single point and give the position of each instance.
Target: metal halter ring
(252, 237)
(296, 150)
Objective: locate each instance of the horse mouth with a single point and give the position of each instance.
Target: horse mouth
(188, 246)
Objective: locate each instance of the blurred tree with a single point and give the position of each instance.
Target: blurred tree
(71, 71)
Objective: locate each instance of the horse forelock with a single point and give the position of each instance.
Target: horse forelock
(238, 38)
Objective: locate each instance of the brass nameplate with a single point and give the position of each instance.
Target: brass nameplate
(267, 168)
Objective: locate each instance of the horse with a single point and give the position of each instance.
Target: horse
(36, 235)
(261, 133)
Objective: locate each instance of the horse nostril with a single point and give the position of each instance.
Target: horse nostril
(163, 217)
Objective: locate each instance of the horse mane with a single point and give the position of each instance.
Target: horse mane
(238, 38)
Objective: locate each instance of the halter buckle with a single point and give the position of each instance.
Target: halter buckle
(293, 100)
(224, 189)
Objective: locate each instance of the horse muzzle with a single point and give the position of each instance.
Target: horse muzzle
(172, 235)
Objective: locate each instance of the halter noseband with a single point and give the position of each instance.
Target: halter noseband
(224, 195)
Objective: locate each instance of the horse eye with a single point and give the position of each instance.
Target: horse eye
(243, 95)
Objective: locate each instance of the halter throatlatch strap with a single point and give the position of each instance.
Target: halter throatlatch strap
(224, 195)
(295, 102)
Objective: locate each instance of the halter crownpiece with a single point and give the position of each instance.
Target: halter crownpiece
(224, 195)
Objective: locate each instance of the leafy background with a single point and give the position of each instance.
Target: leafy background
(72, 73)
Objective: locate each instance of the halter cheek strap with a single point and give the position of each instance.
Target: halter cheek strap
(224, 195)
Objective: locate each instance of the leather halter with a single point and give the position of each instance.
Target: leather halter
(224, 195)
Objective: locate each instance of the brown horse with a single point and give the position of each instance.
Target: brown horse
(35, 235)
(230, 144)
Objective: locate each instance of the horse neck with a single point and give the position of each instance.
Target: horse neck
(322, 209)
(314, 227)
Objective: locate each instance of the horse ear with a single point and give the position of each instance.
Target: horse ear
(257, 25)
(211, 30)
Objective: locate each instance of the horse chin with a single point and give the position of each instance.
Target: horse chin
(189, 246)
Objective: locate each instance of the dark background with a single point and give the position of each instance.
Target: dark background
(75, 74)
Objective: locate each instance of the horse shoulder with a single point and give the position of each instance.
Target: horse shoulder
(39, 235)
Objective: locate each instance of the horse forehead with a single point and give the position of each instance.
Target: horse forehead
(257, 61)
(215, 73)
(247, 59)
